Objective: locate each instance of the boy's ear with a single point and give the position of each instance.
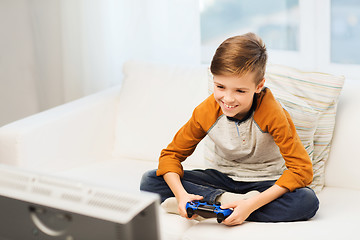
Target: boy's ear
(260, 86)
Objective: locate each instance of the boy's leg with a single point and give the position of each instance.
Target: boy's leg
(208, 183)
(152, 183)
(299, 205)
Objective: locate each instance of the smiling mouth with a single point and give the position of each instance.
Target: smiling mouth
(229, 106)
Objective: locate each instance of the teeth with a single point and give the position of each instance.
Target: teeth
(228, 106)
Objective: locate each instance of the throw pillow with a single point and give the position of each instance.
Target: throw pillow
(311, 100)
(321, 92)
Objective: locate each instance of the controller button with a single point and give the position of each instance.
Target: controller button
(190, 212)
(220, 217)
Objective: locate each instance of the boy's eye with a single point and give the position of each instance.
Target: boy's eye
(219, 86)
(240, 91)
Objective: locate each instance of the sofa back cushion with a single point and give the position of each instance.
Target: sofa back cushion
(155, 101)
(342, 168)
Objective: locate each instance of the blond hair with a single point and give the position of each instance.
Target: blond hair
(239, 55)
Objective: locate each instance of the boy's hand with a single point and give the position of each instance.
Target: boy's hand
(173, 181)
(182, 203)
(242, 210)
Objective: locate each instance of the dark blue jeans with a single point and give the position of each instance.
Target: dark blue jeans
(299, 205)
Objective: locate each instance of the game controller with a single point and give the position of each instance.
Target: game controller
(206, 210)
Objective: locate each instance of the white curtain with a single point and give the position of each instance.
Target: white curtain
(59, 50)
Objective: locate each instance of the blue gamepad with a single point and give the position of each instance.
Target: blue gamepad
(207, 210)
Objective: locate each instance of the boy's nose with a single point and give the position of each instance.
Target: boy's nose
(229, 98)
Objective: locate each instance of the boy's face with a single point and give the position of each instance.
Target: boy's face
(235, 94)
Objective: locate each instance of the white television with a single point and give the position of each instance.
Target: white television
(38, 206)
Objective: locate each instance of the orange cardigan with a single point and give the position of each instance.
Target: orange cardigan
(269, 120)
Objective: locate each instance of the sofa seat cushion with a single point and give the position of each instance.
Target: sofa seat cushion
(172, 226)
(337, 218)
(119, 173)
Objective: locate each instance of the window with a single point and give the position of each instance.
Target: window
(321, 35)
(345, 31)
(275, 21)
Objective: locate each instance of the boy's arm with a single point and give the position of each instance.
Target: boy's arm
(273, 119)
(182, 146)
(173, 181)
(299, 172)
(187, 138)
(243, 208)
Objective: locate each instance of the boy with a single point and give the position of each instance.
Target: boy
(253, 146)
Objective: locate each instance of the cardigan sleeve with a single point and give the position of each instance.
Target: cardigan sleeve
(187, 138)
(272, 118)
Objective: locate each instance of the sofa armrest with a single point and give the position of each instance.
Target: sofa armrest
(63, 137)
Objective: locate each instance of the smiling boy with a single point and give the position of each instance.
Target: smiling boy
(252, 146)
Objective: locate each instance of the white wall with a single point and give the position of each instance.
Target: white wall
(18, 93)
(52, 52)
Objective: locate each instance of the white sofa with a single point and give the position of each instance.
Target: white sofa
(114, 136)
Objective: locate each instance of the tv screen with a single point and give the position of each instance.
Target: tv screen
(38, 206)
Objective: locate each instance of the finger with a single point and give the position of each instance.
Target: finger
(231, 222)
(228, 205)
(184, 214)
(226, 222)
(193, 217)
(233, 219)
(196, 197)
(182, 211)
